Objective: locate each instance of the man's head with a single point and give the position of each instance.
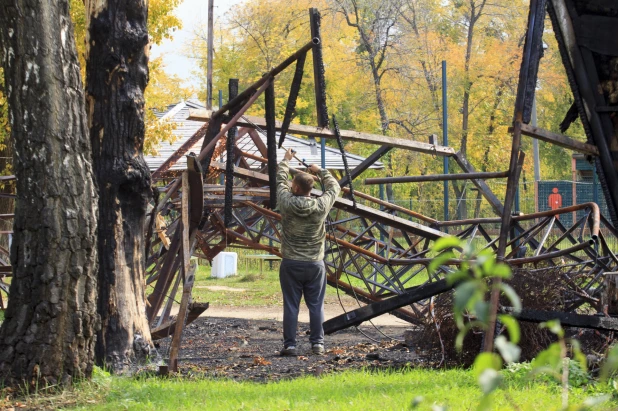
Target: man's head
(302, 184)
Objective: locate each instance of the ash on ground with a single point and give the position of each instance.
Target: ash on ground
(248, 350)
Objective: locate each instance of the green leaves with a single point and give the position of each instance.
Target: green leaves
(512, 327)
(553, 326)
(484, 361)
(509, 351)
(512, 296)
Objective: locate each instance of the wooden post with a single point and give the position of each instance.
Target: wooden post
(187, 272)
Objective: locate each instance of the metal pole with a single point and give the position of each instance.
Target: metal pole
(595, 185)
(323, 152)
(535, 145)
(210, 55)
(445, 135)
(381, 198)
(222, 175)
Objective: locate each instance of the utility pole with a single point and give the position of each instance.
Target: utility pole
(445, 135)
(211, 7)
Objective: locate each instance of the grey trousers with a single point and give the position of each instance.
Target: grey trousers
(300, 278)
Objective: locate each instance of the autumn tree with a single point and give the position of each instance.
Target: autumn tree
(48, 335)
(481, 42)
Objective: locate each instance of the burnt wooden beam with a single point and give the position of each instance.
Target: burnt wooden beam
(182, 315)
(167, 329)
(366, 313)
(597, 33)
(568, 319)
(312, 131)
(586, 90)
(290, 108)
(318, 69)
(558, 139)
(436, 177)
(366, 163)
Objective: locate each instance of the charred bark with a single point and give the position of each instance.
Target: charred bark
(48, 335)
(117, 74)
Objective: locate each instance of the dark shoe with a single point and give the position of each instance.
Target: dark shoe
(289, 352)
(317, 349)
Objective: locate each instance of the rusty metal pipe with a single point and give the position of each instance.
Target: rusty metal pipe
(436, 177)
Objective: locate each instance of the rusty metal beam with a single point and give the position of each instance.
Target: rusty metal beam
(436, 177)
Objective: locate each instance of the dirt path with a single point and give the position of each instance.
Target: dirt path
(275, 313)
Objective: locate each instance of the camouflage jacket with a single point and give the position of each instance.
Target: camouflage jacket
(302, 217)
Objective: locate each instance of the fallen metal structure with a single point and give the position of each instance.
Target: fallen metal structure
(377, 252)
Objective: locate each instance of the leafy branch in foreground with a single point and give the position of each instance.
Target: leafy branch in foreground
(474, 279)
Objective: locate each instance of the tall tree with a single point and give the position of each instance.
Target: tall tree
(49, 331)
(116, 76)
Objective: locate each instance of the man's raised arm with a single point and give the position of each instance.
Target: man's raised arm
(283, 188)
(331, 187)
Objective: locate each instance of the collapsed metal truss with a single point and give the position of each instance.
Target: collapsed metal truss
(377, 252)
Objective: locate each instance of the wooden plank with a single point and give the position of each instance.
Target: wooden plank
(569, 319)
(167, 329)
(366, 313)
(311, 131)
(558, 139)
(181, 317)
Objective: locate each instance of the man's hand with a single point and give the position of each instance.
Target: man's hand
(314, 168)
(289, 155)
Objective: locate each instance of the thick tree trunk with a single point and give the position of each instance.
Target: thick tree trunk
(49, 331)
(117, 74)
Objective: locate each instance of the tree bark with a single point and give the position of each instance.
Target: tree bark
(117, 74)
(48, 335)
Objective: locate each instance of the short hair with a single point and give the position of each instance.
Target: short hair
(304, 181)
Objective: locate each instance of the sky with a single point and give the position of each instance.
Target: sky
(193, 14)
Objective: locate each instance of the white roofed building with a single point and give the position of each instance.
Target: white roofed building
(306, 149)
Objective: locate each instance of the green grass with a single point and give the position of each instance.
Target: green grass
(352, 390)
(259, 289)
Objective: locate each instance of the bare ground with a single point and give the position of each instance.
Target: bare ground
(248, 349)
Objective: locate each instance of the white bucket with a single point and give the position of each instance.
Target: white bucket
(225, 264)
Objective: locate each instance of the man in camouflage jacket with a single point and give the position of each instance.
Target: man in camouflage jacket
(303, 233)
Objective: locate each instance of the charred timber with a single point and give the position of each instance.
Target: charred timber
(558, 139)
(312, 131)
(567, 319)
(366, 313)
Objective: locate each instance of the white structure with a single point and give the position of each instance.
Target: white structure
(225, 264)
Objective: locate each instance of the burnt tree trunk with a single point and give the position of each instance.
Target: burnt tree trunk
(48, 335)
(117, 74)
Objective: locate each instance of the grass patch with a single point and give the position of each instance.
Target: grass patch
(249, 278)
(259, 289)
(360, 390)
(1, 316)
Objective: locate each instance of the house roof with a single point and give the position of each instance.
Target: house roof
(305, 148)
